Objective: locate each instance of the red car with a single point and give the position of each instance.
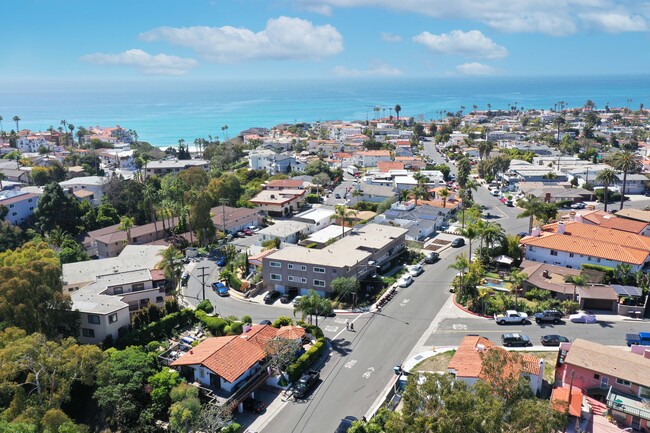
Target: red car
(248, 232)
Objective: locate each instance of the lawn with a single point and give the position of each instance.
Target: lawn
(435, 363)
(549, 363)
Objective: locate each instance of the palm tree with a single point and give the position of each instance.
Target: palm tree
(2, 177)
(171, 265)
(607, 177)
(517, 277)
(71, 136)
(344, 215)
(577, 281)
(419, 193)
(404, 195)
(16, 119)
(493, 234)
(471, 233)
(444, 195)
(532, 209)
(398, 108)
(628, 162)
(126, 223)
(461, 264)
(466, 196)
(1, 129)
(150, 197)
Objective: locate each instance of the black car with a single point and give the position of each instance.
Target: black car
(553, 340)
(271, 297)
(431, 257)
(286, 298)
(458, 242)
(266, 322)
(345, 424)
(254, 405)
(548, 316)
(515, 339)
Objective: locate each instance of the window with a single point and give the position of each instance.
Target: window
(589, 258)
(553, 253)
(290, 277)
(112, 318)
(596, 376)
(88, 332)
(276, 264)
(118, 290)
(297, 267)
(531, 248)
(137, 287)
(94, 319)
(623, 382)
(276, 277)
(144, 302)
(644, 392)
(570, 254)
(290, 266)
(159, 299)
(134, 239)
(319, 283)
(319, 270)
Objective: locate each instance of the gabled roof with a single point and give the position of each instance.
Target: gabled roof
(229, 357)
(284, 183)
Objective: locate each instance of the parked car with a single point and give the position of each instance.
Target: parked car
(271, 296)
(337, 195)
(509, 203)
(431, 257)
(220, 288)
(515, 339)
(248, 232)
(253, 405)
(553, 340)
(416, 270)
(240, 234)
(286, 298)
(345, 424)
(548, 316)
(405, 281)
(583, 318)
(458, 242)
(221, 261)
(305, 383)
(495, 192)
(511, 316)
(266, 322)
(638, 339)
(296, 300)
(580, 205)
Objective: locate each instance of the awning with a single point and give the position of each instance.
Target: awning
(627, 290)
(505, 260)
(560, 398)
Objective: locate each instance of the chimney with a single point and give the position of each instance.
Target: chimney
(536, 232)
(572, 216)
(560, 228)
(481, 348)
(547, 197)
(646, 354)
(545, 274)
(579, 218)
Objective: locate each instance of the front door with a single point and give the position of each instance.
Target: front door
(636, 423)
(215, 383)
(604, 382)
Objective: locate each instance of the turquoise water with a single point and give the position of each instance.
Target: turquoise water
(164, 111)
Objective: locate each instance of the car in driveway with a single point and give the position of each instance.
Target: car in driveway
(457, 243)
(271, 296)
(515, 339)
(583, 318)
(253, 405)
(405, 280)
(416, 270)
(296, 300)
(345, 424)
(220, 288)
(248, 232)
(553, 340)
(286, 298)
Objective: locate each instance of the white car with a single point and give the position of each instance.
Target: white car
(495, 192)
(405, 281)
(415, 270)
(583, 318)
(296, 300)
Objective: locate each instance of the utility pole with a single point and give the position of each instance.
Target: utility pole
(569, 399)
(202, 276)
(223, 202)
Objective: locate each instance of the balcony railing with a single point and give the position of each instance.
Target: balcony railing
(628, 404)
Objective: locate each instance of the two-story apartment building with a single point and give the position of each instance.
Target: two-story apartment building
(570, 244)
(88, 188)
(166, 166)
(359, 253)
(20, 205)
(270, 161)
(620, 376)
(279, 203)
(370, 158)
(107, 291)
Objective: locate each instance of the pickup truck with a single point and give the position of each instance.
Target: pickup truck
(640, 339)
(305, 382)
(511, 316)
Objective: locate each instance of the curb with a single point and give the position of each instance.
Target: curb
(468, 311)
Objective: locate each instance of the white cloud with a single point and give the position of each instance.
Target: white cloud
(469, 44)
(475, 68)
(320, 9)
(376, 69)
(283, 38)
(389, 37)
(615, 22)
(555, 17)
(162, 64)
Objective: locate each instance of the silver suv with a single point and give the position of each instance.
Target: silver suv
(548, 316)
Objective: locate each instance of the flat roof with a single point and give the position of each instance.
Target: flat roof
(346, 251)
(316, 213)
(284, 228)
(89, 302)
(324, 235)
(84, 180)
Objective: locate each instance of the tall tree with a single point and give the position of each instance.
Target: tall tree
(126, 224)
(460, 264)
(343, 215)
(517, 278)
(577, 281)
(171, 265)
(57, 209)
(607, 177)
(398, 109)
(470, 232)
(628, 162)
(532, 209)
(17, 119)
(444, 195)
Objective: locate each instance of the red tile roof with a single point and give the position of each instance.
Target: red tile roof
(284, 183)
(260, 335)
(560, 399)
(229, 357)
(291, 332)
(385, 166)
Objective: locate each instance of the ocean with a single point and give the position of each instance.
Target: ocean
(164, 111)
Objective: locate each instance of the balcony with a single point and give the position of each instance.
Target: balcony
(628, 404)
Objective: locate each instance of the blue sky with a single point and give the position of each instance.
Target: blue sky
(214, 39)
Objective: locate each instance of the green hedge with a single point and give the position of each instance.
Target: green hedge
(232, 428)
(609, 272)
(157, 331)
(215, 325)
(311, 329)
(305, 361)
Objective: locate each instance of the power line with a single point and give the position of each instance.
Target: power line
(202, 276)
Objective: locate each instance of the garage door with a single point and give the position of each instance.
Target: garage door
(598, 304)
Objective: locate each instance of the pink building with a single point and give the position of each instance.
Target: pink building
(618, 377)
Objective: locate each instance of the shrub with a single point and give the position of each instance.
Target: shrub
(236, 328)
(570, 307)
(282, 321)
(247, 319)
(609, 272)
(159, 330)
(305, 361)
(311, 245)
(205, 305)
(311, 329)
(536, 294)
(232, 428)
(215, 325)
(313, 198)
(171, 305)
